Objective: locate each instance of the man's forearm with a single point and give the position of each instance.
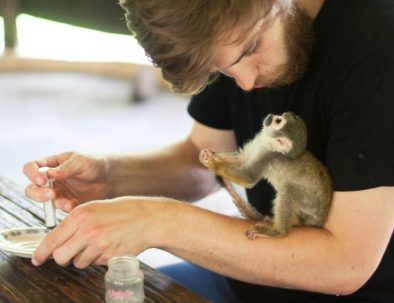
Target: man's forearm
(172, 171)
(308, 258)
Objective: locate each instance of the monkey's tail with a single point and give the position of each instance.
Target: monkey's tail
(246, 209)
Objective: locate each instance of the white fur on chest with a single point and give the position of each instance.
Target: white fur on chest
(251, 154)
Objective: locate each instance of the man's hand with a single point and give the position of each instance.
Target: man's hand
(96, 231)
(78, 178)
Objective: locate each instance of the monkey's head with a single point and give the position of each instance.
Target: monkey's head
(287, 133)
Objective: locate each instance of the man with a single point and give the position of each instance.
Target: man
(328, 61)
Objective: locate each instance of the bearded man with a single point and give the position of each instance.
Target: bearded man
(330, 62)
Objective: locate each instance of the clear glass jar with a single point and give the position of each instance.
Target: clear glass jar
(124, 281)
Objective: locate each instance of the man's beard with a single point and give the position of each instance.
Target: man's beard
(298, 36)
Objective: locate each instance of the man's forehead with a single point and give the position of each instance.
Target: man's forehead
(233, 42)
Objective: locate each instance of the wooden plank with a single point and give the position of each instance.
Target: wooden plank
(8, 221)
(8, 9)
(20, 281)
(107, 15)
(14, 201)
(48, 283)
(16, 211)
(121, 70)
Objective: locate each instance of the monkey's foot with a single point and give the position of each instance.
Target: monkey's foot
(264, 230)
(253, 235)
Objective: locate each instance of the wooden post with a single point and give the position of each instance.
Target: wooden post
(8, 9)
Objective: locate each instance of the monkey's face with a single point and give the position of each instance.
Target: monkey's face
(286, 133)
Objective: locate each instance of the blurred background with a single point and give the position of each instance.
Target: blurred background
(72, 78)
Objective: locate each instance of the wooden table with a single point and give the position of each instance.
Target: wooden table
(20, 281)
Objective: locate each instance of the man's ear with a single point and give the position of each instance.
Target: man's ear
(283, 145)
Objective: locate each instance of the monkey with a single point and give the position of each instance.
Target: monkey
(278, 154)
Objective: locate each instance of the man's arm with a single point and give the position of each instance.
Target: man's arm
(173, 171)
(337, 259)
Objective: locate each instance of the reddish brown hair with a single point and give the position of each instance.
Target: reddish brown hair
(180, 36)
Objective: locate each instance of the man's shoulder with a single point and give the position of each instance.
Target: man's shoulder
(351, 33)
(374, 18)
(363, 23)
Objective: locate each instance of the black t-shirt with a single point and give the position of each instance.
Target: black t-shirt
(346, 99)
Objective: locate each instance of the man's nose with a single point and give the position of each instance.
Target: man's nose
(245, 80)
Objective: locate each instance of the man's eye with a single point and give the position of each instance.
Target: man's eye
(253, 49)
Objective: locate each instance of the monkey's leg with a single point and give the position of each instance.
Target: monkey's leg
(284, 219)
(313, 209)
(228, 165)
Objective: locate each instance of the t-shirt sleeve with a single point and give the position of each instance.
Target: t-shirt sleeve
(360, 149)
(212, 107)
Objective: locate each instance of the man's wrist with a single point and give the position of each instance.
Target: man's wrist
(107, 168)
(116, 168)
(166, 222)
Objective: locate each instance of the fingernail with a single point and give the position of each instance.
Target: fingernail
(34, 262)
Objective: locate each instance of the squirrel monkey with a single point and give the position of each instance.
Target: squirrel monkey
(277, 153)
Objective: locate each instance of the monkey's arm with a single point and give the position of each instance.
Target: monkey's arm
(336, 260)
(229, 165)
(185, 177)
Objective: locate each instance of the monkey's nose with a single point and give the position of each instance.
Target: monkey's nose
(268, 120)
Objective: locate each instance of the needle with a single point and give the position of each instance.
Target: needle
(49, 206)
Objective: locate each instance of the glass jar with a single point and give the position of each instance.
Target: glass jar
(124, 281)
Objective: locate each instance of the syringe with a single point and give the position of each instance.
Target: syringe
(49, 206)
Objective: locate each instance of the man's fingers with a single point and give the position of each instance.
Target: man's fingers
(86, 257)
(65, 204)
(30, 169)
(55, 160)
(64, 254)
(40, 194)
(64, 231)
(44, 194)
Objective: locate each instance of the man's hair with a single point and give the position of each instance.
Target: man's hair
(180, 36)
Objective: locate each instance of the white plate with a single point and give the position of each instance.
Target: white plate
(22, 242)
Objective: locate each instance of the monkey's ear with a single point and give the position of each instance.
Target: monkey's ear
(283, 145)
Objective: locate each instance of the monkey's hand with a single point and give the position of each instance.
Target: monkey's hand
(228, 165)
(220, 162)
(207, 157)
